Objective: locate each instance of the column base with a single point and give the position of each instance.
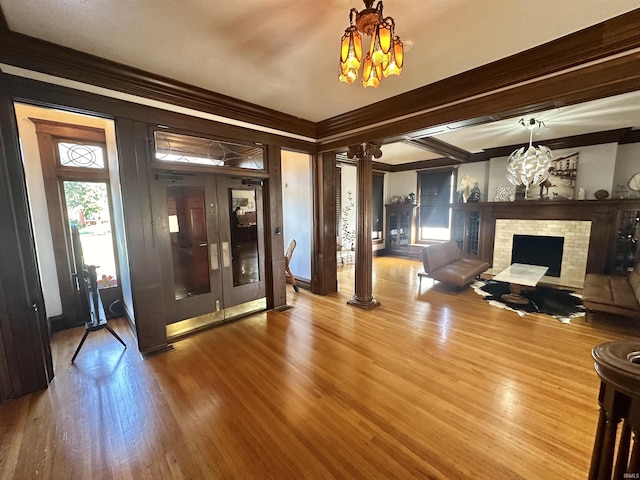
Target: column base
(366, 304)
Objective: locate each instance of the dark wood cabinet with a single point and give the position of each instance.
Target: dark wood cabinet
(625, 248)
(400, 221)
(465, 230)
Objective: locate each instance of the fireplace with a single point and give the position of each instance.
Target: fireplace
(539, 250)
(575, 235)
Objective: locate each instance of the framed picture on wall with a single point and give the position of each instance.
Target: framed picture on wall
(239, 202)
(561, 183)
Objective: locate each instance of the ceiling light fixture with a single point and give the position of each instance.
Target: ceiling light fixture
(385, 55)
(529, 165)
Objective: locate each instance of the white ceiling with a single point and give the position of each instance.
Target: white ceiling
(589, 117)
(283, 54)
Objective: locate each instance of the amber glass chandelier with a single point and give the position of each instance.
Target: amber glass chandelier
(385, 55)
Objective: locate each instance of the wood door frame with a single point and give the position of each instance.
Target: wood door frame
(48, 134)
(25, 354)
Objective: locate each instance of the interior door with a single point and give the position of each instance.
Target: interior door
(187, 228)
(211, 235)
(243, 271)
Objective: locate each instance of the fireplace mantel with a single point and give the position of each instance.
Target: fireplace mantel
(603, 214)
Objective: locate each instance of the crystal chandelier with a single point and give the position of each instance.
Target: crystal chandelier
(529, 165)
(385, 55)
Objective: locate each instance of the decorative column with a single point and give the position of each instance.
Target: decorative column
(363, 297)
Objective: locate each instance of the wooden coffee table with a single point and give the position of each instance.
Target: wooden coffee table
(520, 276)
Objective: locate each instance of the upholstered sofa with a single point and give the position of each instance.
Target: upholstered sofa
(619, 295)
(444, 263)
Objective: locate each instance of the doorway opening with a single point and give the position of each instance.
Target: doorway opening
(71, 172)
(209, 229)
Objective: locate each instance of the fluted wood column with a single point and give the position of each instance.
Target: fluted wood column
(363, 297)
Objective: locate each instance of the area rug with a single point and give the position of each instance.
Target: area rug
(561, 304)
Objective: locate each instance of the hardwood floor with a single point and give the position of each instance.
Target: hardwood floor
(433, 384)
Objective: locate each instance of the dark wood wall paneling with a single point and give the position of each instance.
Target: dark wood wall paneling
(146, 278)
(600, 41)
(324, 263)
(274, 238)
(25, 353)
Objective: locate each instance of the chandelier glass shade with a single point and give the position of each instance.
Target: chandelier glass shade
(385, 55)
(529, 165)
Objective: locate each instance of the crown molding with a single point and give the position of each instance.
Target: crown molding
(611, 37)
(598, 80)
(511, 86)
(44, 57)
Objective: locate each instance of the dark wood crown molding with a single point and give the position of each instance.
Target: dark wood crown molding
(45, 57)
(599, 41)
(612, 77)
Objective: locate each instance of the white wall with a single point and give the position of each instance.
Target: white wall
(479, 171)
(297, 208)
(400, 183)
(596, 166)
(349, 205)
(627, 165)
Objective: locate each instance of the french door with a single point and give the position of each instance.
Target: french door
(211, 235)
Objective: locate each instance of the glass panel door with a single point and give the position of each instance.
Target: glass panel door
(210, 232)
(244, 277)
(189, 244)
(187, 229)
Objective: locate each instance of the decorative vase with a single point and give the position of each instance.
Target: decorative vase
(475, 194)
(581, 194)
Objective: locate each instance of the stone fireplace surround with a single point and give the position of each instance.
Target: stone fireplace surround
(576, 236)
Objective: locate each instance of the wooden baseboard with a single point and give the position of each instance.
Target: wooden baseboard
(64, 321)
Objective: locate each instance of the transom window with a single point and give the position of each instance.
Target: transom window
(80, 155)
(175, 147)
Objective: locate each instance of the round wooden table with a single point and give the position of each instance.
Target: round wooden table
(618, 366)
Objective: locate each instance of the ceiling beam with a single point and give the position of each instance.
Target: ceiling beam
(441, 148)
(603, 40)
(574, 141)
(611, 77)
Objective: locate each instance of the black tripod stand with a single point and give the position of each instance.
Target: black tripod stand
(89, 299)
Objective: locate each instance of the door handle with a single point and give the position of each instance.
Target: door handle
(226, 255)
(203, 244)
(213, 254)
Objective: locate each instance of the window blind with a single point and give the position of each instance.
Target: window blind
(435, 195)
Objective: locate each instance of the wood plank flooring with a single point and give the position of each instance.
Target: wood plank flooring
(433, 384)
